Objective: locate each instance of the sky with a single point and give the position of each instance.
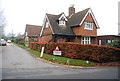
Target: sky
(18, 13)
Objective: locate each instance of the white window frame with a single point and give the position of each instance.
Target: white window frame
(47, 25)
(100, 42)
(88, 25)
(86, 40)
(62, 22)
(109, 41)
(26, 34)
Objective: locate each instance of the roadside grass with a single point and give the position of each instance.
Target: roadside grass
(59, 59)
(21, 46)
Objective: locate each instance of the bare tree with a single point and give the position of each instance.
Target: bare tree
(3, 23)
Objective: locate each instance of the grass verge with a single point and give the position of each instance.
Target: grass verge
(59, 59)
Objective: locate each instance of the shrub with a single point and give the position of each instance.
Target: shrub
(97, 53)
(116, 43)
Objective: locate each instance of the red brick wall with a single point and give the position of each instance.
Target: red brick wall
(45, 39)
(81, 31)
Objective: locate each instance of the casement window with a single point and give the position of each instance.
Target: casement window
(62, 22)
(47, 24)
(86, 40)
(100, 42)
(26, 34)
(88, 25)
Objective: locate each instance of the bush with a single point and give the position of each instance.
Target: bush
(97, 53)
(116, 43)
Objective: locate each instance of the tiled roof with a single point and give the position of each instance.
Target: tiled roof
(77, 18)
(33, 30)
(74, 20)
(53, 19)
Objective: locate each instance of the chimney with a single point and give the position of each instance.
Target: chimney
(71, 10)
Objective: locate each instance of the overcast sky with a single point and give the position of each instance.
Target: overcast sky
(21, 12)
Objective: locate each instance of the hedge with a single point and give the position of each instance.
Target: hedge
(91, 52)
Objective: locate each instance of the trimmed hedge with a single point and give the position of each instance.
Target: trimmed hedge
(96, 53)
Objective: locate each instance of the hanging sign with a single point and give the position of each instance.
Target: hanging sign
(57, 51)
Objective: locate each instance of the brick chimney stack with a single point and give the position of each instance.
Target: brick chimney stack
(71, 10)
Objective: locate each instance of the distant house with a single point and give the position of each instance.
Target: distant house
(105, 39)
(80, 27)
(31, 34)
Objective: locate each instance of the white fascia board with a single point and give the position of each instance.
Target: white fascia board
(63, 15)
(50, 26)
(44, 25)
(90, 11)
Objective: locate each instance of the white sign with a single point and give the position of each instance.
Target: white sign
(41, 55)
(56, 52)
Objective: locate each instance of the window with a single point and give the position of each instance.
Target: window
(47, 24)
(109, 41)
(86, 40)
(61, 22)
(100, 42)
(88, 25)
(26, 34)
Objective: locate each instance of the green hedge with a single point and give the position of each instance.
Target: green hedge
(96, 53)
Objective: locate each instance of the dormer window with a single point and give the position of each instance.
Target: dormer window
(62, 22)
(88, 25)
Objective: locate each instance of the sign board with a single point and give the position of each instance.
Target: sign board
(57, 51)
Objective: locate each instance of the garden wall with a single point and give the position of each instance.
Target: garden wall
(97, 53)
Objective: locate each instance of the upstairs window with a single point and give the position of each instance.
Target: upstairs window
(88, 26)
(62, 22)
(26, 34)
(47, 24)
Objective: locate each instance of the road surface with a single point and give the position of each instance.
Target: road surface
(18, 63)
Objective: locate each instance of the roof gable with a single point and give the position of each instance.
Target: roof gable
(63, 16)
(90, 12)
(46, 18)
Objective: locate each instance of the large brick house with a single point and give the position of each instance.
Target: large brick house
(31, 33)
(80, 27)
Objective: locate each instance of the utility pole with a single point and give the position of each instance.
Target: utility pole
(12, 35)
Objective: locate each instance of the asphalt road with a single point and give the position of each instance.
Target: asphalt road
(17, 63)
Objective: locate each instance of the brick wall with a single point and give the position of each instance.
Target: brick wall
(45, 39)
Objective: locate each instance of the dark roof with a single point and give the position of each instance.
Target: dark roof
(53, 19)
(74, 20)
(77, 18)
(33, 30)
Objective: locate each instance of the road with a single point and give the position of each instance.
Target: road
(18, 63)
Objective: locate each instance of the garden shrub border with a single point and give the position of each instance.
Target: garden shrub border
(91, 52)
